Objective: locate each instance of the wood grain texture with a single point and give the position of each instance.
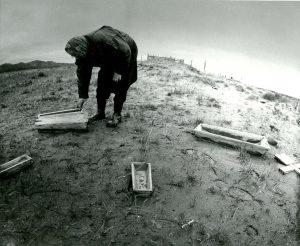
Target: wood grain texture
(62, 121)
(60, 112)
(244, 136)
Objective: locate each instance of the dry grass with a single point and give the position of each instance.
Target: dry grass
(149, 106)
(273, 96)
(42, 74)
(77, 190)
(181, 91)
(244, 157)
(208, 101)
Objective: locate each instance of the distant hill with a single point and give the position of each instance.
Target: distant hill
(8, 67)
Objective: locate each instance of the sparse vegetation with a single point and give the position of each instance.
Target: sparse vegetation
(28, 83)
(212, 102)
(244, 157)
(240, 88)
(176, 108)
(176, 92)
(138, 129)
(42, 74)
(78, 190)
(26, 91)
(4, 92)
(208, 101)
(253, 97)
(59, 80)
(226, 122)
(199, 121)
(49, 98)
(200, 100)
(181, 91)
(144, 147)
(220, 238)
(149, 106)
(127, 114)
(273, 96)
(208, 81)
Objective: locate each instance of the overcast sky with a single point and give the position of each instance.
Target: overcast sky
(257, 42)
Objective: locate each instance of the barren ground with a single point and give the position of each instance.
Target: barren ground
(77, 191)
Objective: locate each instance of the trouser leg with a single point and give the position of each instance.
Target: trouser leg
(119, 99)
(103, 91)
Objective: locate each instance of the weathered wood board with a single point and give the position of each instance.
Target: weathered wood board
(251, 142)
(297, 171)
(61, 112)
(62, 120)
(141, 177)
(290, 168)
(285, 159)
(15, 165)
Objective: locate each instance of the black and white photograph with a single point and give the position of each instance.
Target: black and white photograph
(137, 122)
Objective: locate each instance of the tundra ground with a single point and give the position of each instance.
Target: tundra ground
(77, 192)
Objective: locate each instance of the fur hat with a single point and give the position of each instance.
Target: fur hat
(77, 47)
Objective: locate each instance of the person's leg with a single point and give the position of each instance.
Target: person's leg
(119, 99)
(103, 93)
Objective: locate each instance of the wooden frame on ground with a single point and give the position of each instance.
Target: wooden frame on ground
(15, 165)
(71, 119)
(250, 142)
(290, 168)
(141, 177)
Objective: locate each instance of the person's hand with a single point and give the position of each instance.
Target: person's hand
(116, 77)
(80, 103)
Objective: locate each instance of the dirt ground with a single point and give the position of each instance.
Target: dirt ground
(77, 192)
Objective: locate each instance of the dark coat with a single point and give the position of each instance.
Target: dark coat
(112, 51)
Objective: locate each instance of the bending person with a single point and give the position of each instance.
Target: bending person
(115, 52)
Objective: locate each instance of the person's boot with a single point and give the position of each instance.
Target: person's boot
(97, 117)
(114, 121)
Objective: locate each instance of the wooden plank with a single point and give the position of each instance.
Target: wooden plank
(297, 171)
(290, 168)
(262, 147)
(68, 126)
(62, 121)
(285, 159)
(62, 118)
(15, 165)
(60, 112)
(244, 136)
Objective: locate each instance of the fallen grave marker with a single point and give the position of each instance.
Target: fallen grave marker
(290, 168)
(291, 163)
(285, 159)
(15, 165)
(141, 178)
(71, 119)
(249, 141)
